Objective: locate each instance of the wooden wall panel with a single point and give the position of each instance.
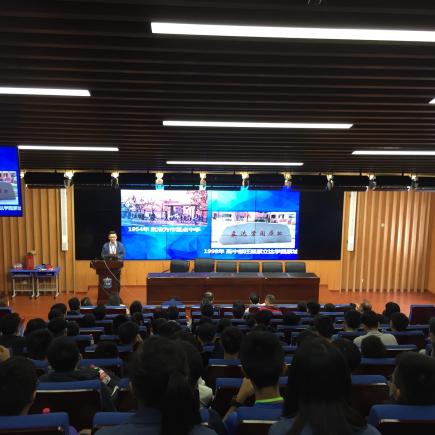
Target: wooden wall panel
(391, 249)
(39, 230)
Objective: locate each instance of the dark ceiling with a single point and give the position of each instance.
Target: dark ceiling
(137, 79)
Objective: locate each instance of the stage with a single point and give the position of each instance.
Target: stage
(30, 308)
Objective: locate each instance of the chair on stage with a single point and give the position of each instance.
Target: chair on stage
(179, 266)
(249, 267)
(203, 265)
(295, 267)
(226, 266)
(272, 267)
(420, 314)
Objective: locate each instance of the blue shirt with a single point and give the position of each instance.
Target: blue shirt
(260, 411)
(283, 426)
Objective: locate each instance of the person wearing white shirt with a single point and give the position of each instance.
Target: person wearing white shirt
(370, 323)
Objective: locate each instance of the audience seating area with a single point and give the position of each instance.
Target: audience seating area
(79, 403)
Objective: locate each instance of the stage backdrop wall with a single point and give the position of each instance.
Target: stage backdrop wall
(394, 245)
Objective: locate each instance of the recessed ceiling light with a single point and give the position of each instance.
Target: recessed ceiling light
(393, 153)
(219, 124)
(432, 101)
(45, 91)
(293, 32)
(225, 163)
(65, 148)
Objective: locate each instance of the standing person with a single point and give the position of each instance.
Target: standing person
(113, 247)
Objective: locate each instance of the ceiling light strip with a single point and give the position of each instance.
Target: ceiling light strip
(225, 124)
(225, 163)
(293, 32)
(45, 91)
(393, 153)
(65, 148)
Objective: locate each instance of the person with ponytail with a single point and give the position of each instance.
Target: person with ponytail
(318, 394)
(167, 402)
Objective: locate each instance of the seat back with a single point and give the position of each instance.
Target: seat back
(126, 401)
(368, 390)
(393, 351)
(95, 331)
(410, 337)
(295, 267)
(254, 427)
(249, 266)
(105, 419)
(272, 266)
(203, 265)
(376, 366)
(420, 314)
(179, 266)
(226, 266)
(82, 341)
(115, 365)
(65, 397)
(55, 423)
(406, 427)
(222, 370)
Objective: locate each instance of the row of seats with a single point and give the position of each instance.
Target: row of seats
(210, 265)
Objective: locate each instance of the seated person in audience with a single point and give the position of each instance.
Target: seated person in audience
(115, 300)
(231, 340)
(270, 304)
(169, 329)
(86, 302)
(88, 321)
(207, 298)
(196, 368)
(207, 310)
(34, 324)
(352, 322)
(54, 312)
(313, 308)
(390, 309)
(365, 306)
(372, 347)
(370, 323)
(254, 301)
(206, 334)
(74, 307)
(317, 399)
(263, 317)
(63, 356)
(60, 307)
(99, 312)
(290, 319)
(9, 328)
(135, 307)
(306, 334)
(18, 383)
(413, 381)
(302, 307)
(4, 353)
(118, 321)
(399, 322)
(222, 324)
(262, 359)
(138, 318)
(57, 326)
(157, 324)
(329, 308)
(350, 352)
(167, 403)
(173, 312)
(238, 309)
(72, 328)
(37, 344)
(129, 335)
(324, 327)
(106, 349)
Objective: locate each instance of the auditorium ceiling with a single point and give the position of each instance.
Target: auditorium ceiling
(137, 79)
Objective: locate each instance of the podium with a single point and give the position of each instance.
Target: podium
(108, 272)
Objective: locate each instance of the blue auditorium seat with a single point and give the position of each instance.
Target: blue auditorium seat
(116, 365)
(104, 419)
(48, 424)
